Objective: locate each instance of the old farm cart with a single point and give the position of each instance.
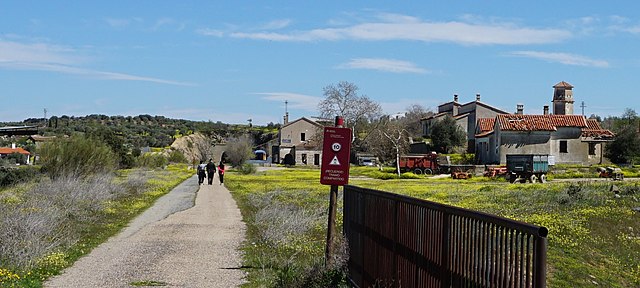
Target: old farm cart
(399, 241)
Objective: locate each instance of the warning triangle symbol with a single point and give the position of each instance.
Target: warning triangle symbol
(334, 161)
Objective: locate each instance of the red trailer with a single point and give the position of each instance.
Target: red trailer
(420, 163)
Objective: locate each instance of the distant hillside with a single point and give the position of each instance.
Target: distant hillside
(144, 130)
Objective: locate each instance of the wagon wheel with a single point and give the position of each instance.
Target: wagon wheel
(543, 178)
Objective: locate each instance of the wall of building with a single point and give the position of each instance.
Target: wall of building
(512, 142)
(541, 142)
(290, 134)
(310, 154)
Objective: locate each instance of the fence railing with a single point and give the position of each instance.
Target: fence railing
(399, 241)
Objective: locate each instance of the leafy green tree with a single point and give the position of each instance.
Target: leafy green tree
(625, 147)
(446, 134)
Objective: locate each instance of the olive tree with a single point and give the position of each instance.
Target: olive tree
(239, 150)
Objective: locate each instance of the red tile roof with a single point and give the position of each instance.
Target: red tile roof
(594, 130)
(6, 151)
(486, 124)
(518, 122)
(563, 84)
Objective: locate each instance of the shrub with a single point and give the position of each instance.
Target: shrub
(248, 168)
(176, 156)
(285, 246)
(152, 160)
(77, 157)
(50, 216)
(239, 151)
(15, 175)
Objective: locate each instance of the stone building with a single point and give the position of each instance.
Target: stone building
(566, 138)
(299, 141)
(466, 116)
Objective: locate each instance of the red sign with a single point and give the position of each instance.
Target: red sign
(336, 150)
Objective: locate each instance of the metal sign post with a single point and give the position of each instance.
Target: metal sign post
(336, 150)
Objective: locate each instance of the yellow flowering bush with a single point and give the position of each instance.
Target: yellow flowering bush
(8, 276)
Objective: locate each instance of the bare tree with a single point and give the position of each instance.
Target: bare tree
(392, 140)
(412, 119)
(343, 100)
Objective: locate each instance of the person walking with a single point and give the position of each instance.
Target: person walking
(211, 170)
(201, 172)
(221, 172)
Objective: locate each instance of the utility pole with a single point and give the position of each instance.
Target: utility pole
(583, 106)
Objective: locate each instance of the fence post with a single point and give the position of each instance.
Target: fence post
(444, 261)
(540, 262)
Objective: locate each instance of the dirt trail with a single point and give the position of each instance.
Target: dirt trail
(195, 247)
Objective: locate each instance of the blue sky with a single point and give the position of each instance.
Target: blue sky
(231, 61)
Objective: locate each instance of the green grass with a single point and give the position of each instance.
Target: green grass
(116, 216)
(594, 237)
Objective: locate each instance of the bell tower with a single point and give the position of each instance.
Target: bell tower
(562, 99)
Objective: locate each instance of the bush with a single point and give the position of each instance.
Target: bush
(152, 160)
(239, 150)
(15, 175)
(77, 157)
(176, 156)
(248, 168)
(285, 246)
(50, 216)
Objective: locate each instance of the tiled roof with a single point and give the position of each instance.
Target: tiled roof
(486, 124)
(518, 122)
(563, 84)
(6, 150)
(594, 130)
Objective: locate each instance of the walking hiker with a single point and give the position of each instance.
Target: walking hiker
(201, 172)
(211, 170)
(221, 172)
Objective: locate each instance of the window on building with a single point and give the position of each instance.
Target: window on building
(303, 137)
(563, 147)
(592, 148)
(304, 159)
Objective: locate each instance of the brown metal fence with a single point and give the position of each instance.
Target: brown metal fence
(399, 241)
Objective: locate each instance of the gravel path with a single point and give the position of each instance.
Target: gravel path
(174, 243)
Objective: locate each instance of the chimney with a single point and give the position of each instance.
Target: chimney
(520, 109)
(286, 118)
(13, 145)
(455, 97)
(477, 96)
(545, 110)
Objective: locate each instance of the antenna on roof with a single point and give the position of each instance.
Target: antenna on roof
(286, 112)
(583, 106)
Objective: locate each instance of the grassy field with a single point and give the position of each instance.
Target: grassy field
(594, 235)
(88, 211)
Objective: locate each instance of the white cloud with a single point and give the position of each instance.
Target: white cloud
(210, 32)
(297, 101)
(52, 58)
(276, 24)
(401, 27)
(563, 58)
(387, 65)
